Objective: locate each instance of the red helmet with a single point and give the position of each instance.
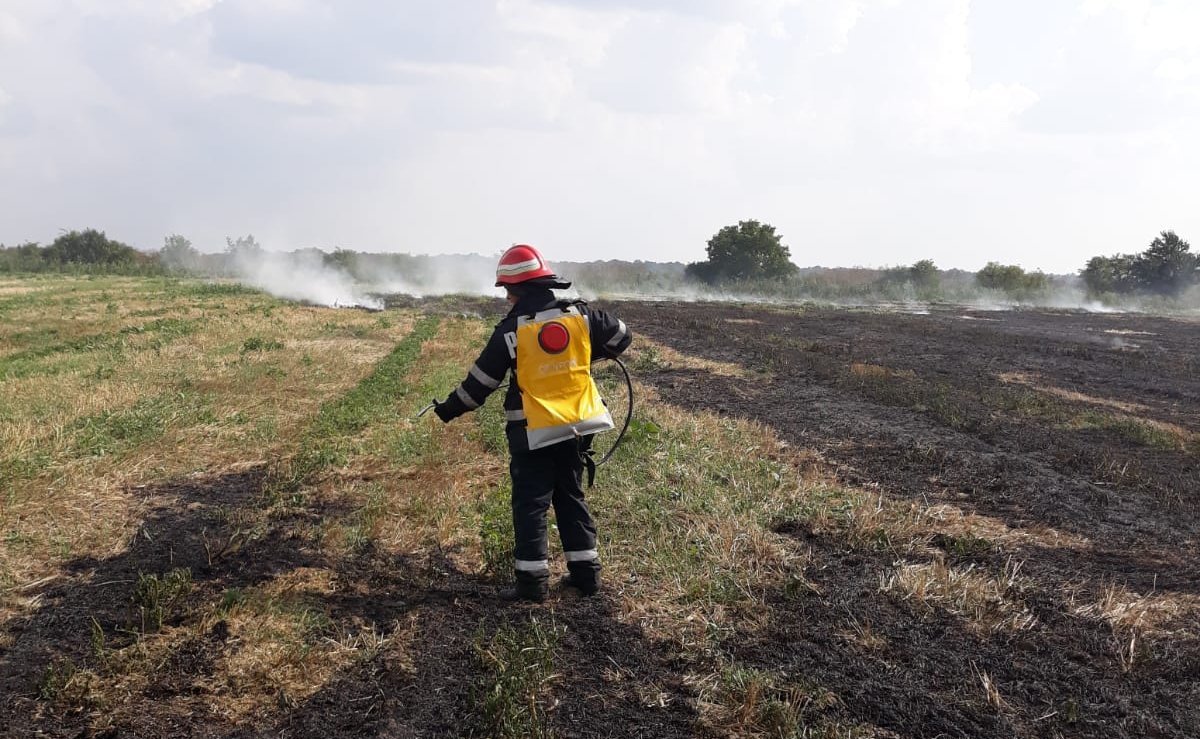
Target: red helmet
(523, 263)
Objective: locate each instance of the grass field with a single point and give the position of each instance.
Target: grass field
(219, 516)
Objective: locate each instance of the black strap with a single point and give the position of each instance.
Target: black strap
(589, 463)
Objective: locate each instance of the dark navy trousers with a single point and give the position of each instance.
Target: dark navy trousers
(541, 478)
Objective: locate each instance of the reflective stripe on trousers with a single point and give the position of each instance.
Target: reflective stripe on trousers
(552, 476)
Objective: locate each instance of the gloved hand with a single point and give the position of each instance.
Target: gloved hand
(442, 411)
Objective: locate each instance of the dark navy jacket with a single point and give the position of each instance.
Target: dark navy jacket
(609, 337)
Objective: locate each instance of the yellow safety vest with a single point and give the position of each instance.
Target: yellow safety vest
(558, 396)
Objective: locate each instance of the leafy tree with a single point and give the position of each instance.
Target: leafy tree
(1167, 267)
(25, 257)
(748, 251)
(178, 254)
(1011, 279)
(241, 254)
(90, 247)
(243, 247)
(924, 275)
(1109, 274)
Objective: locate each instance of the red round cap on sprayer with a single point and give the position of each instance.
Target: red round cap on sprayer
(522, 264)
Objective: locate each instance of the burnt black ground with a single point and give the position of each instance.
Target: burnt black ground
(942, 428)
(428, 688)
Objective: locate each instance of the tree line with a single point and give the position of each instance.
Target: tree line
(85, 251)
(754, 252)
(1167, 267)
(748, 256)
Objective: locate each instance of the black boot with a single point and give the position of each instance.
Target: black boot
(530, 586)
(583, 576)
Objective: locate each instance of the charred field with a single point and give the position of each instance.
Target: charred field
(219, 517)
(1055, 453)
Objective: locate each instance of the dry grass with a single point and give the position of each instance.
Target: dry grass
(1038, 384)
(689, 529)
(990, 690)
(955, 521)
(1137, 620)
(660, 355)
(1123, 608)
(288, 648)
(989, 601)
(1123, 418)
(729, 539)
(432, 476)
(878, 372)
(200, 402)
(257, 405)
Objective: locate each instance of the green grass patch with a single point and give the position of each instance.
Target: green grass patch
(966, 546)
(115, 431)
(375, 396)
(259, 344)
(663, 499)
(192, 289)
(328, 440)
(28, 362)
(362, 527)
(1136, 430)
(496, 531)
(156, 596)
(517, 662)
(436, 380)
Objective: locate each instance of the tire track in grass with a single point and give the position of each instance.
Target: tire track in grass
(329, 441)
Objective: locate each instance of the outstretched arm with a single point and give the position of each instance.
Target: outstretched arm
(484, 377)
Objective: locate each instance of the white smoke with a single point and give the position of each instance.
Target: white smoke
(448, 275)
(303, 276)
(358, 279)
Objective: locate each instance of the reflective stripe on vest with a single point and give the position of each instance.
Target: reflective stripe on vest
(558, 395)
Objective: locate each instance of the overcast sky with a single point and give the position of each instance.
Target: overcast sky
(869, 132)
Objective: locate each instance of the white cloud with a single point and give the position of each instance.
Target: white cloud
(868, 131)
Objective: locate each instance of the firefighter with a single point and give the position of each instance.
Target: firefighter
(552, 408)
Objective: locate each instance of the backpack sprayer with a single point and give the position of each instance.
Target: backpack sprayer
(620, 434)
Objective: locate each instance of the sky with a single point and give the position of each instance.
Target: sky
(868, 132)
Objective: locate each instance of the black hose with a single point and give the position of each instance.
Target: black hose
(628, 413)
